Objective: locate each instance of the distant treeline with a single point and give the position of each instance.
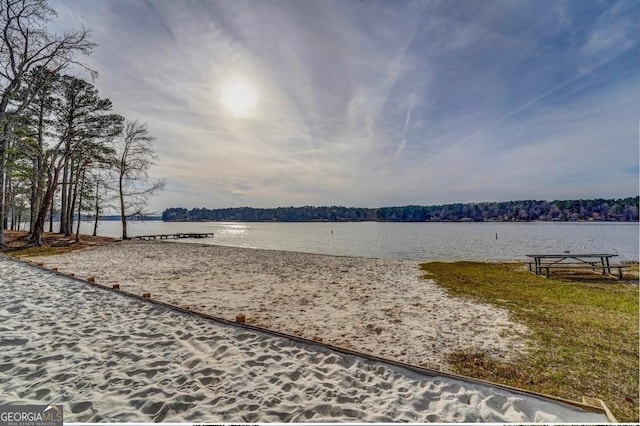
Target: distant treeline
(623, 210)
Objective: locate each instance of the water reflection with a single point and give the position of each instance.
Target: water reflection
(232, 230)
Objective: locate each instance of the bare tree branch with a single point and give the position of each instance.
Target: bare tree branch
(25, 44)
(135, 157)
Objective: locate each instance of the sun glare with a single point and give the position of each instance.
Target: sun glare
(239, 98)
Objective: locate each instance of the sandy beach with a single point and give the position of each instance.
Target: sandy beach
(111, 358)
(377, 306)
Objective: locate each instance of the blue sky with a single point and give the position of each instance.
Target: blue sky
(374, 103)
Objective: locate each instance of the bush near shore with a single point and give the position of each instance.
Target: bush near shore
(585, 331)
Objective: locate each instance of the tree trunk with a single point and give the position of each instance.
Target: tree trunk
(51, 213)
(97, 210)
(33, 198)
(10, 209)
(64, 225)
(36, 237)
(73, 195)
(79, 211)
(38, 172)
(123, 217)
(13, 219)
(4, 145)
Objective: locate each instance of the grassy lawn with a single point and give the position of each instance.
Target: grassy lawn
(584, 327)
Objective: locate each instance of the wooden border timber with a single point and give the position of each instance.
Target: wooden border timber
(597, 401)
(593, 405)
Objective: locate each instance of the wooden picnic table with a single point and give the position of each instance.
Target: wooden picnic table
(573, 261)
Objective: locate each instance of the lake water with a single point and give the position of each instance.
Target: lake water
(415, 241)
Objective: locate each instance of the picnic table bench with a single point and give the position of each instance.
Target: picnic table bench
(594, 261)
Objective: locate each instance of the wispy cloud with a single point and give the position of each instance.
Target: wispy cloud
(374, 103)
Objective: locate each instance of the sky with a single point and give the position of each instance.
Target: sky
(370, 103)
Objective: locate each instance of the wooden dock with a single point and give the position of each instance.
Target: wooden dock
(174, 236)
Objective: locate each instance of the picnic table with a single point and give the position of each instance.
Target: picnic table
(594, 261)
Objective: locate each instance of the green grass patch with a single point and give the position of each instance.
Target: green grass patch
(585, 332)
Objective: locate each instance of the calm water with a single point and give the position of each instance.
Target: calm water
(416, 241)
